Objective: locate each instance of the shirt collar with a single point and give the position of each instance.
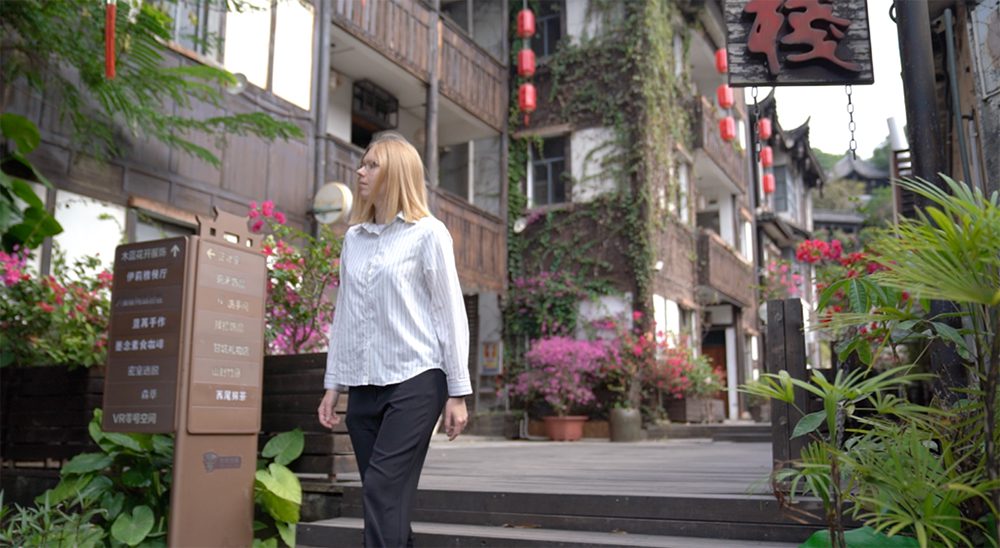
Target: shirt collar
(375, 228)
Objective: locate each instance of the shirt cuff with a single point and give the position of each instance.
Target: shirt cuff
(459, 387)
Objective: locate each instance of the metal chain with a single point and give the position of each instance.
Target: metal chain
(756, 125)
(851, 126)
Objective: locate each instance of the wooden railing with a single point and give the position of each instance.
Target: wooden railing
(722, 153)
(399, 29)
(721, 269)
(480, 238)
(471, 77)
(342, 159)
(480, 242)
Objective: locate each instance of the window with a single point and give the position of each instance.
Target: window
(197, 24)
(453, 171)
(780, 188)
(249, 45)
(548, 27)
(679, 201)
(90, 227)
(373, 109)
(746, 241)
(547, 184)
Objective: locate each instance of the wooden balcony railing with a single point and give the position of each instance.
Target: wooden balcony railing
(721, 269)
(480, 238)
(480, 242)
(722, 153)
(399, 29)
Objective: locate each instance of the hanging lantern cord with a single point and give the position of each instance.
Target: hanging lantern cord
(756, 124)
(851, 126)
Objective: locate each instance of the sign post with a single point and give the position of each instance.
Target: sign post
(187, 343)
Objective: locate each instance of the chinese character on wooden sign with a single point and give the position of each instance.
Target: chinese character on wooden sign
(798, 42)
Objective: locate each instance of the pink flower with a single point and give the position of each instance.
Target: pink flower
(253, 214)
(280, 217)
(46, 307)
(257, 226)
(267, 208)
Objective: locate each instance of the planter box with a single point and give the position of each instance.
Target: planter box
(44, 413)
(696, 410)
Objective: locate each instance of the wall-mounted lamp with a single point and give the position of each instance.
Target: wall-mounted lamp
(658, 266)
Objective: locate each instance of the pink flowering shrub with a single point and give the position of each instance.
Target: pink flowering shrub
(302, 270)
(563, 372)
(57, 319)
(543, 304)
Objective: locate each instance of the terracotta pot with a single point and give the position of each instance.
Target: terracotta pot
(568, 428)
(626, 424)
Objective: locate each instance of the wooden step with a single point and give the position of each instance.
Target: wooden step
(347, 532)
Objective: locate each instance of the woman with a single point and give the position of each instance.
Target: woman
(399, 339)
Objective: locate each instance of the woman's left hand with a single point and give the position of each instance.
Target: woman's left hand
(456, 416)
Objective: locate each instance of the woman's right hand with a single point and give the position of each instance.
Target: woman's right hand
(327, 416)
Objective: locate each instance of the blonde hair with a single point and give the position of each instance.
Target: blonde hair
(400, 183)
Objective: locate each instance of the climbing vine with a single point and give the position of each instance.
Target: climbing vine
(622, 79)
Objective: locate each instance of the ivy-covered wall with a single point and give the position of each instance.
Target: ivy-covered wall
(622, 79)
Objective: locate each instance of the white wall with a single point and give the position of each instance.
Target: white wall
(617, 307)
(588, 148)
(580, 24)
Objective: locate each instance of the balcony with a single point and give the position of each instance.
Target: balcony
(723, 276)
(717, 163)
(480, 238)
(399, 30)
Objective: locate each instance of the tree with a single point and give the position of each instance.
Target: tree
(826, 160)
(56, 47)
(881, 154)
(842, 195)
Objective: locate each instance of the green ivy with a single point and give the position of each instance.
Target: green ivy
(622, 79)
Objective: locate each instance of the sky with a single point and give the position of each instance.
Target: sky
(826, 106)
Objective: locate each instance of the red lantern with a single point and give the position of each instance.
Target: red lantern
(764, 128)
(525, 62)
(721, 61)
(525, 23)
(768, 183)
(727, 128)
(110, 14)
(526, 97)
(724, 94)
(766, 157)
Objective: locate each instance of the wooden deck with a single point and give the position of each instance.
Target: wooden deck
(651, 468)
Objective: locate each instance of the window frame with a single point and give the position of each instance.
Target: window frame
(565, 175)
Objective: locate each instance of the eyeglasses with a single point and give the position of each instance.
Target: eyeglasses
(369, 165)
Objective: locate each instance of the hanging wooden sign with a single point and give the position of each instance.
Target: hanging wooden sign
(798, 42)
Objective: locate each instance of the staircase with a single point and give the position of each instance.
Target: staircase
(737, 432)
(483, 518)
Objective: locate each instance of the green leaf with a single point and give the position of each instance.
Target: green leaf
(864, 537)
(269, 543)
(952, 335)
(857, 296)
(809, 423)
(125, 441)
(27, 194)
(279, 508)
(287, 533)
(285, 447)
(864, 352)
(87, 462)
(21, 130)
(67, 488)
(132, 528)
(282, 482)
(112, 503)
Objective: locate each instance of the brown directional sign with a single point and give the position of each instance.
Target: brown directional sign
(144, 342)
(219, 412)
(228, 340)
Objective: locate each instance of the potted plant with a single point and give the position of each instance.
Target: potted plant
(631, 359)
(697, 402)
(759, 407)
(562, 372)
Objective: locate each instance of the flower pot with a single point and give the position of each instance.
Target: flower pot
(626, 424)
(567, 428)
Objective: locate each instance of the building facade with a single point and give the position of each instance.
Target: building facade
(628, 190)
(339, 70)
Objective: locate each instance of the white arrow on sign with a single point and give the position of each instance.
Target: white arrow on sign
(175, 250)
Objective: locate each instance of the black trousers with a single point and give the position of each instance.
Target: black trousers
(390, 428)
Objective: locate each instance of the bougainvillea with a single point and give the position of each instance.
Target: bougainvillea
(299, 281)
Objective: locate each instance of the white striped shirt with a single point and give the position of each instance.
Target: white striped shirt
(399, 310)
